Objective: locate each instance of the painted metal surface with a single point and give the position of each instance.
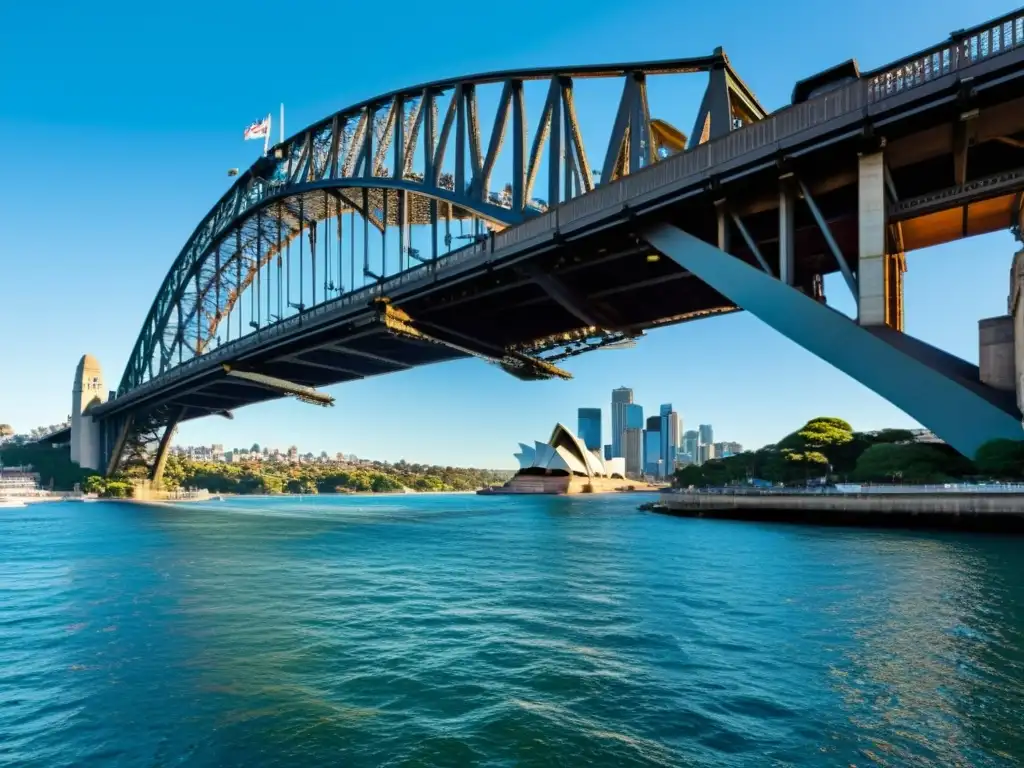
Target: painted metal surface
(936, 399)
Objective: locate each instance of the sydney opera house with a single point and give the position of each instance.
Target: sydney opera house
(564, 465)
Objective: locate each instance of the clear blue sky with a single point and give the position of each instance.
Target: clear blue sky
(119, 119)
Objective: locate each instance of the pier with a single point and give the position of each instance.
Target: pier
(996, 508)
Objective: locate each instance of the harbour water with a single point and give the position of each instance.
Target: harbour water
(499, 631)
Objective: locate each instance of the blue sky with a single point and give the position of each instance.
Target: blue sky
(119, 120)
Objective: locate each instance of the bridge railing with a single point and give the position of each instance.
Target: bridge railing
(858, 490)
(968, 47)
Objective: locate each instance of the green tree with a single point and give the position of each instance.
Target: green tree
(823, 435)
(1001, 459)
(428, 483)
(117, 489)
(95, 484)
(911, 462)
(6, 430)
(255, 448)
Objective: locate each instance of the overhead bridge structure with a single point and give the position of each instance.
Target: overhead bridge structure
(448, 220)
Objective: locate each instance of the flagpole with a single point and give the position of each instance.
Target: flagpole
(266, 137)
(282, 122)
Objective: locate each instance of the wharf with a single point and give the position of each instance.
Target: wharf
(962, 510)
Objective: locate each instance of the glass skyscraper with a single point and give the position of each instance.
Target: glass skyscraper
(634, 416)
(621, 397)
(633, 440)
(590, 428)
(671, 437)
(652, 447)
(707, 434)
(691, 444)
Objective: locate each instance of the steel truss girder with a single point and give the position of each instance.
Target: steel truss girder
(142, 448)
(395, 146)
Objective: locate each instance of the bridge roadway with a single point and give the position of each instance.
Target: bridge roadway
(953, 141)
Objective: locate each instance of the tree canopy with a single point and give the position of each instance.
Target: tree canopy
(1002, 458)
(827, 445)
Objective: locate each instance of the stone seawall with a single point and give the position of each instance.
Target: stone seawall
(954, 511)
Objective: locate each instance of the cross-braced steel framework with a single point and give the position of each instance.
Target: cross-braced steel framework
(412, 161)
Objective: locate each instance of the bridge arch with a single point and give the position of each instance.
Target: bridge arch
(412, 157)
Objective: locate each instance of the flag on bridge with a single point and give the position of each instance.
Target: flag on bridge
(258, 130)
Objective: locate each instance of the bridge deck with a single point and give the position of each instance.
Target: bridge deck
(581, 264)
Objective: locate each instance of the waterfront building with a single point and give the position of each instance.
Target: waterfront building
(564, 465)
(589, 427)
(621, 397)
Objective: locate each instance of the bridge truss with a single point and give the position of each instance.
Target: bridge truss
(383, 185)
(402, 180)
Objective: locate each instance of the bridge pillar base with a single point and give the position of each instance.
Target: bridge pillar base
(941, 391)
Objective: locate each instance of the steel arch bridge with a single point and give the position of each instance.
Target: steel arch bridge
(299, 227)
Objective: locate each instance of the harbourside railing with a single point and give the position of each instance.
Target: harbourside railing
(846, 489)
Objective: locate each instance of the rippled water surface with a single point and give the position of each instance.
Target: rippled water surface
(465, 630)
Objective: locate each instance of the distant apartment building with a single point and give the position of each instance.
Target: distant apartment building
(727, 448)
(926, 436)
(706, 452)
(621, 397)
(589, 428)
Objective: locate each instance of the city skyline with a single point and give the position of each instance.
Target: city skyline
(121, 135)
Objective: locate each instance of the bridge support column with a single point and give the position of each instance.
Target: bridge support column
(1016, 306)
(940, 391)
(879, 272)
(787, 246)
(156, 474)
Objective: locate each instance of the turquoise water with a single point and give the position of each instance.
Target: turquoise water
(465, 630)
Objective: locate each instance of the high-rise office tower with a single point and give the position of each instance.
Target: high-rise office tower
(691, 442)
(633, 439)
(652, 447)
(590, 428)
(634, 416)
(671, 436)
(621, 397)
(632, 446)
(707, 434)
